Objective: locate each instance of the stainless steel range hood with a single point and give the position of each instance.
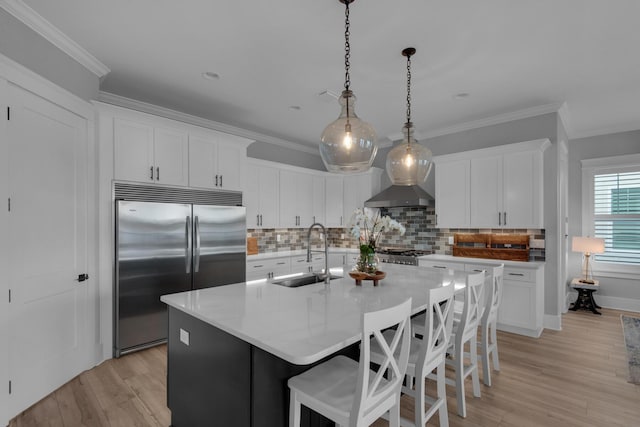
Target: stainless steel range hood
(401, 195)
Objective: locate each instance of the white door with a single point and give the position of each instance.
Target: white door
(231, 162)
(48, 336)
(452, 194)
(202, 154)
(171, 154)
(486, 192)
(289, 198)
(334, 192)
(133, 151)
(519, 190)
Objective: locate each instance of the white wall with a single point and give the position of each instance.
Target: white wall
(614, 292)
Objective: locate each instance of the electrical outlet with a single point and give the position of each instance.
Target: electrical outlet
(536, 243)
(277, 237)
(451, 240)
(184, 336)
(342, 235)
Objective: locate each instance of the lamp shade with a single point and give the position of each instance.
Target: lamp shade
(591, 245)
(348, 143)
(409, 162)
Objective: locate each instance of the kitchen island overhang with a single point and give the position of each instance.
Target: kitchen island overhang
(232, 348)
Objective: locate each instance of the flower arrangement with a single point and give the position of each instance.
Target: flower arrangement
(368, 229)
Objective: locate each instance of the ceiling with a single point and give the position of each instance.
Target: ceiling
(274, 59)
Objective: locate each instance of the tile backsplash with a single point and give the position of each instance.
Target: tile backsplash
(421, 233)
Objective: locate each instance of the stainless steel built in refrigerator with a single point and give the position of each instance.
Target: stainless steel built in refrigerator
(163, 248)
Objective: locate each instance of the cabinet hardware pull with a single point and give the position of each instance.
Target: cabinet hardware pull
(216, 180)
(314, 219)
(158, 173)
(258, 266)
(281, 263)
(257, 220)
(151, 169)
(478, 271)
(516, 274)
(82, 277)
(499, 218)
(436, 219)
(439, 266)
(261, 220)
(220, 180)
(505, 218)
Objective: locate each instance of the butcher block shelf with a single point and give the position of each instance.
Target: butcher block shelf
(513, 247)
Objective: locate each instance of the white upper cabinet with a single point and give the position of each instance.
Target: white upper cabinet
(217, 161)
(496, 187)
(152, 149)
(261, 196)
(358, 189)
(296, 199)
(147, 153)
(319, 188)
(452, 194)
(334, 194)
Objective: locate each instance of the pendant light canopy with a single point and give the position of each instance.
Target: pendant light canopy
(348, 143)
(409, 162)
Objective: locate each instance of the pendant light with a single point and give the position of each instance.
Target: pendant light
(348, 143)
(409, 162)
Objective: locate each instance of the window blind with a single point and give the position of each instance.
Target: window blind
(616, 198)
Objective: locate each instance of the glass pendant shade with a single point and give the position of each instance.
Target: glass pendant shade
(409, 162)
(348, 144)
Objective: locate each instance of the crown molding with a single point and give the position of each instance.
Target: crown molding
(501, 118)
(37, 23)
(627, 127)
(23, 77)
(121, 101)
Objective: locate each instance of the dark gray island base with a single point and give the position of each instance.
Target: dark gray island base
(221, 380)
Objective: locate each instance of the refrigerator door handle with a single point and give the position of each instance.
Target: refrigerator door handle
(188, 246)
(197, 245)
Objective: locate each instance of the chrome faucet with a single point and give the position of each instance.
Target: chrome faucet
(326, 249)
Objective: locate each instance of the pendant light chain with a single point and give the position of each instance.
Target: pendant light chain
(408, 89)
(347, 47)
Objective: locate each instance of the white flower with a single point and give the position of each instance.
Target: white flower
(368, 229)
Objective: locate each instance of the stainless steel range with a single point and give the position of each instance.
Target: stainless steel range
(400, 256)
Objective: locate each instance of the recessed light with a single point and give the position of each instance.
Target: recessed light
(210, 75)
(461, 95)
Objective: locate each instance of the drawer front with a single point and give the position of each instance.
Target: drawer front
(270, 264)
(519, 274)
(476, 268)
(440, 264)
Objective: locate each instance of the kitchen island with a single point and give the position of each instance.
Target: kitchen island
(232, 348)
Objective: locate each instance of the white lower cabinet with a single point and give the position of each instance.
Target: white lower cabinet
(522, 308)
(267, 268)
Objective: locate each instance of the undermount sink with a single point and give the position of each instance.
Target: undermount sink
(307, 279)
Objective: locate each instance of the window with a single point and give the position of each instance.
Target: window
(611, 202)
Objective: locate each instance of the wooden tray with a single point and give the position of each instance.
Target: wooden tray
(484, 246)
(359, 276)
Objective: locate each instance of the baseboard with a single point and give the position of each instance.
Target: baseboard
(533, 333)
(552, 321)
(626, 304)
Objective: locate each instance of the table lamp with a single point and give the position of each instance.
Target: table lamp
(588, 246)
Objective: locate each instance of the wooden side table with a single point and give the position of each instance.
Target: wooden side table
(585, 295)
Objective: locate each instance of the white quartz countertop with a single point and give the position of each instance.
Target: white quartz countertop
(302, 325)
(300, 252)
(534, 265)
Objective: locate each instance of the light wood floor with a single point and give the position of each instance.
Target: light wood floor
(574, 377)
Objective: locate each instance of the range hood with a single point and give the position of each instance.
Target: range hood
(400, 195)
